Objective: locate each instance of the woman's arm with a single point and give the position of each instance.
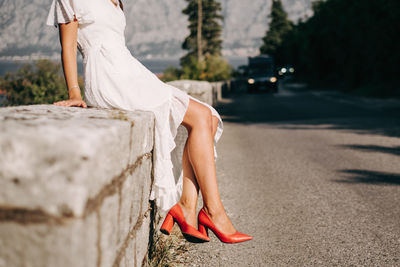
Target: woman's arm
(68, 33)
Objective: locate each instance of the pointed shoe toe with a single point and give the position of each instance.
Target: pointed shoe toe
(190, 233)
(240, 237)
(205, 223)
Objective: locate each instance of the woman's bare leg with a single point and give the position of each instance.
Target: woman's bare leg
(199, 148)
(190, 190)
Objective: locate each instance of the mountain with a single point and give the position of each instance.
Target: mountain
(155, 28)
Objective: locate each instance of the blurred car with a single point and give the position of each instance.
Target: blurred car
(261, 74)
(286, 70)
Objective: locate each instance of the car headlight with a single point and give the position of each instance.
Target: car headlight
(273, 79)
(251, 81)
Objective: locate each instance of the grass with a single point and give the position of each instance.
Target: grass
(169, 250)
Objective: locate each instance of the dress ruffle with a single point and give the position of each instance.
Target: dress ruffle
(167, 161)
(63, 11)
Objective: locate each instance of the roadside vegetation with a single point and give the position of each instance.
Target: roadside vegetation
(169, 251)
(350, 45)
(203, 60)
(41, 82)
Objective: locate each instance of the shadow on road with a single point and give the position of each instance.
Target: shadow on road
(306, 110)
(300, 109)
(373, 148)
(369, 177)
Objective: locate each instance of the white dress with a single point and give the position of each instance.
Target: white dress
(115, 79)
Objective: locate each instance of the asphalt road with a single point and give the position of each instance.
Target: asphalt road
(313, 176)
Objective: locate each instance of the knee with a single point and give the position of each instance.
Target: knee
(198, 116)
(204, 118)
(201, 118)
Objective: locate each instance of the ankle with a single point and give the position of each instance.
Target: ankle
(214, 211)
(189, 206)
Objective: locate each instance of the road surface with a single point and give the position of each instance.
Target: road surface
(313, 176)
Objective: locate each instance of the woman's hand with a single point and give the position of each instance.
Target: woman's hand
(73, 102)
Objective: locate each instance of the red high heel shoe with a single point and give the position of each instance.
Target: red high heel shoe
(205, 223)
(191, 234)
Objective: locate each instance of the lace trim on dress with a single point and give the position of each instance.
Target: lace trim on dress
(63, 11)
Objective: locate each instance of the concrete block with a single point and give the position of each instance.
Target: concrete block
(74, 186)
(217, 90)
(198, 89)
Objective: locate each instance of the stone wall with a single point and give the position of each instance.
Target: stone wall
(198, 89)
(75, 183)
(211, 93)
(74, 186)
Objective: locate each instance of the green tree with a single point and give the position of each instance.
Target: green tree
(278, 27)
(40, 83)
(205, 29)
(171, 74)
(356, 51)
(217, 69)
(204, 60)
(213, 68)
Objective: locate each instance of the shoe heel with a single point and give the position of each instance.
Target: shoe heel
(166, 227)
(203, 229)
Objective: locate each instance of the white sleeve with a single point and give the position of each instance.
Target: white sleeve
(63, 11)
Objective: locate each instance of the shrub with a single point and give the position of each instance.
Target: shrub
(39, 83)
